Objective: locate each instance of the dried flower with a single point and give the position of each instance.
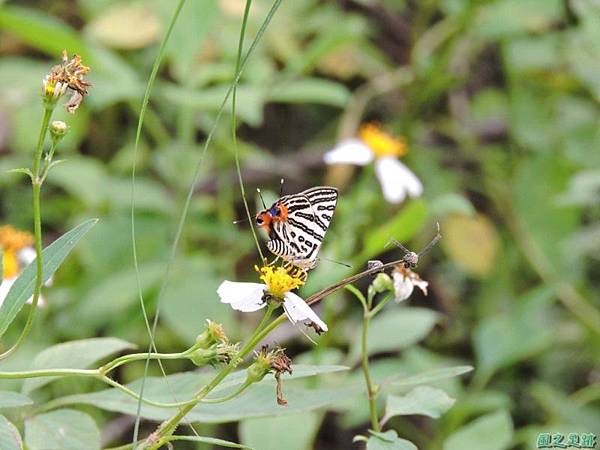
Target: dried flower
(69, 74)
(278, 282)
(373, 143)
(275, 361)
(405, 281)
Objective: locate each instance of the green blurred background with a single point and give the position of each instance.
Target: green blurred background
(498, 101)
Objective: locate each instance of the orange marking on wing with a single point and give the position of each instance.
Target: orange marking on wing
(283, 213)
(267, 219)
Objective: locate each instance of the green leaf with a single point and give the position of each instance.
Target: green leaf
(423, 400)
(429, 376)
(73, 355)
(197, 19)
(554, 403)
(52, 258)
(117, 292)
(10, 399)
(10, 439)
(388, 440)
(310, 90)
(490, 432)
(193, 288)
(265, 433)
(549, 223)
(257, 401)
(506, 18)
(65, 429)
(504, 339)
(22, 170)
(42, 31)
(396, 329)
(401, 227)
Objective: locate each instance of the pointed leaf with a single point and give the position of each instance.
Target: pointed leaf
(429, 376)
(423, 400)
(52, 258)
(257, 401)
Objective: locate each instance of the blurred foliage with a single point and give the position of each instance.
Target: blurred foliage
(499, 102)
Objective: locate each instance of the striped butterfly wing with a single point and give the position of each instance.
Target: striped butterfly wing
(298, 239)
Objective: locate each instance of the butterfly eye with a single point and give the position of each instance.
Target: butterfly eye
(259, 220)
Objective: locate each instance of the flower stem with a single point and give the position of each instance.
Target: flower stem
(126, 359)
(371, 388)
(36, 182)
(166, 429)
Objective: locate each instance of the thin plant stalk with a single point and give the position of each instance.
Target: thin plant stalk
(166, 429)
(36, 182)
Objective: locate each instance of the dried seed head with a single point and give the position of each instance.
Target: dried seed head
(69, 74)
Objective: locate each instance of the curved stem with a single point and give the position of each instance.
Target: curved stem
(228, 397)
(36, 182)
(49, 373)
(126, 359)
(131, 393)
(371, 388)
(166, 429)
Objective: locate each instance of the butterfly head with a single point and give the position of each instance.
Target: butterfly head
(276, 213)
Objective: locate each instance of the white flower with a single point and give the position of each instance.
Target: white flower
(24, 257)
(405, 281)
(397, 180)
(248, 297)
(17, 254)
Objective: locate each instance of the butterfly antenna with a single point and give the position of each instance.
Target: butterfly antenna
(281, 188)
(397, 244)
(434, 241)
(261, 198)
(235, 222)
(337, 262)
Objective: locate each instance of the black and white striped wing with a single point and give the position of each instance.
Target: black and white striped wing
(298, 239)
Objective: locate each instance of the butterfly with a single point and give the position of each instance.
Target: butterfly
(296, 224)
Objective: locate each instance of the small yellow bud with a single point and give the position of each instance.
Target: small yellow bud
(213, 334)
(58, 129)
(382, 283)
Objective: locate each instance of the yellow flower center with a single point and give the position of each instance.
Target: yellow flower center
(279, 281)
(11, 241)
(380, 142)
(10, 265)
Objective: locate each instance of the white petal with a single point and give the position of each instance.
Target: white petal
(245, 297)
(298, 310)
(5, 287)
(349, 151)
(396, 180)
(26, 256)
(421, 284)
(403, 286)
